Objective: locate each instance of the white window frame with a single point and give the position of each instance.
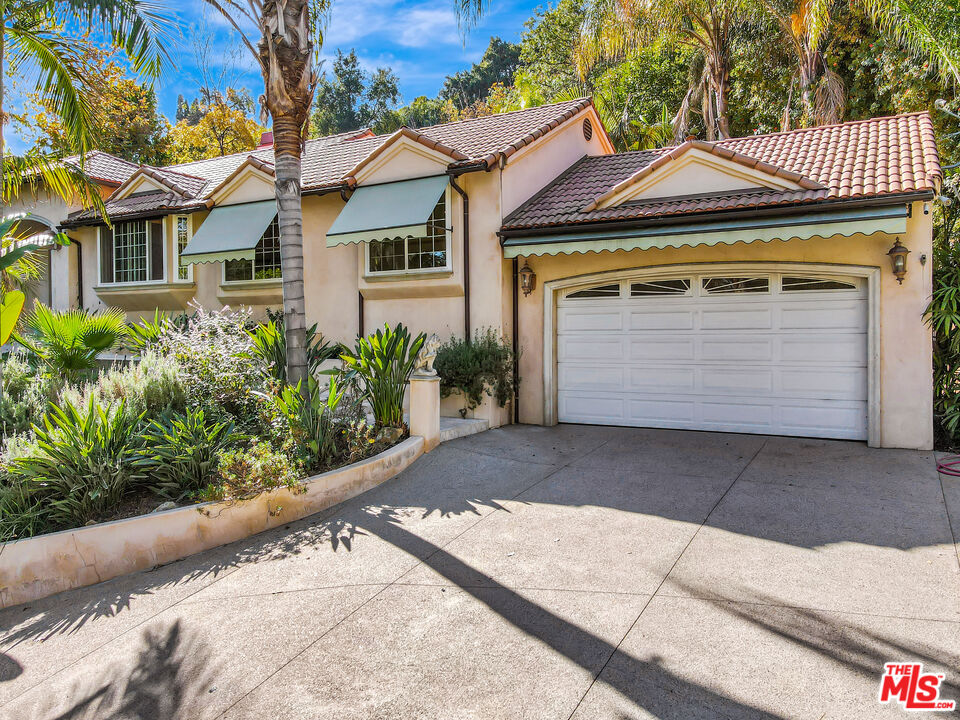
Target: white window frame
(230, 283)
(444, 270)
(113, 239)
(176, 247)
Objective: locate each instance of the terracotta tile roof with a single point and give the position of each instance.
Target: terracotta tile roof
(868, 158)
(327, 161)
(104, 167)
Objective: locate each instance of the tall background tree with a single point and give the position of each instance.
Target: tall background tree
(349, 98)
(126, 123)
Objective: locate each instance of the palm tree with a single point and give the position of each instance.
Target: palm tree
(614, 27)
(68, 342)
(922, 27)
(33, 42)
(290, 32)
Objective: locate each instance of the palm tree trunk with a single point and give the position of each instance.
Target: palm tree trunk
(287, 149)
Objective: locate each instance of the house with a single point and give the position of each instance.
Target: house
(744, 285)
(44, 211)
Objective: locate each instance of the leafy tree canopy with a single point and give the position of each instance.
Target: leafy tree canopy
(499, 63)
(350, 98)
(126, 122)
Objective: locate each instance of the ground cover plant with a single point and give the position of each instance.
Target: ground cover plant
(202, 412)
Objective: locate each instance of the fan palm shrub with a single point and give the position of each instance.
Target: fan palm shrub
(68, 342)
(383, 363)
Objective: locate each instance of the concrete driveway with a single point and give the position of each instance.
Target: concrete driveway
(568, 572)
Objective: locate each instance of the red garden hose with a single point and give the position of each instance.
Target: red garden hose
(950, 465)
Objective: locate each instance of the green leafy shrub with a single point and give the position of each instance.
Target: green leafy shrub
(312, 422)
(270, 348)
(178, 456)
(244, 473)
(153, 387)
(21, 512)
(383, 363)
(68, 342)
(485, 365)
(146, 334)
(943, 315)
(214, 353)
(24, 395)
(82, 466)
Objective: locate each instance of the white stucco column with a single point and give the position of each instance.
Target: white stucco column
(425, 409)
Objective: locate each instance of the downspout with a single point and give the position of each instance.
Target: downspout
(516, 341)
(79, 272)
(466, 256)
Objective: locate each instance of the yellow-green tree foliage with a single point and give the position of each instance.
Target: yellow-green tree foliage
(126, 121)
(221, 130)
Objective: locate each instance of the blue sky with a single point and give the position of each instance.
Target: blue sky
(418, 39)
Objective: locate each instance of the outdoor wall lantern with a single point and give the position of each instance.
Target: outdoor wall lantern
(528, 279)
(898, 256)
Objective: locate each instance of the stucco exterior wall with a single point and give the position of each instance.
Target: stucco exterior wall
(904, 343)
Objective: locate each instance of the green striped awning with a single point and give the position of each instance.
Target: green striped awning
(230, 232)
(390, 210)
(867, 221)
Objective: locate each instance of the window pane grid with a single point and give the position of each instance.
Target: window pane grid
(130, 252)
(659, 287)
(794, 284)
(421, 253)
(183, 273)
(601, 291)
(725, 285)
(266, 259)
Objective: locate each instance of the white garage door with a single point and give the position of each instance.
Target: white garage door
(782, 354)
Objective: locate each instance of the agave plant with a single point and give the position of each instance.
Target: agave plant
(383, 362)
(68, 342)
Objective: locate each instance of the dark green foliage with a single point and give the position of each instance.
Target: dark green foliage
(943, 315)
(244, 473)
(82, 467)
(383, 363)
(350, 99)
(499, 63)
(312, 422)
(485, 365)
(270, 348)
(177, 457)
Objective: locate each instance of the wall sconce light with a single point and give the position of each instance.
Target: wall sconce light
(898, 256)
(528, 279)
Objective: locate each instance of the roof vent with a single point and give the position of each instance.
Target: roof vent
(266, 140)
(587, 129)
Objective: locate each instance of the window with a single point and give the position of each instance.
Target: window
(728, 285)
(266, 259)
(182, 231)
(796, 284)
(601, 291)
(132, 252)
(651, 288)
(413, 254)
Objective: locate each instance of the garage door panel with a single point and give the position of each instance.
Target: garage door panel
(838, 384)
(747, 318)
(842, 316)
(674, 320)
(661, 410)
(738, 349)
(596, 320)
(736, 381)
(777, 362)
(579, 348)
(819, 349)
(650, 349)
(592, 407)
(593, 377)
(663, 379)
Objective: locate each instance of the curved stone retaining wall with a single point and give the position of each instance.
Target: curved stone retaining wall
(36, 567)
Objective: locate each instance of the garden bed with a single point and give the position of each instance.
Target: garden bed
(36, 567)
